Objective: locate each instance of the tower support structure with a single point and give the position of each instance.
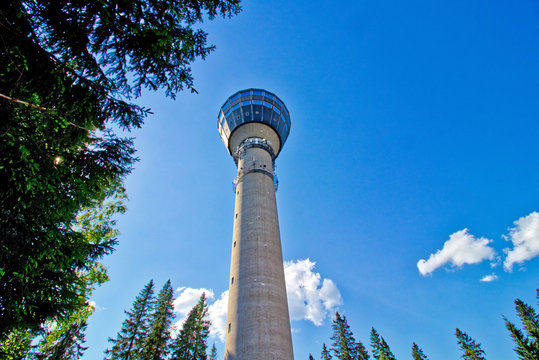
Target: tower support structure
(258, 323)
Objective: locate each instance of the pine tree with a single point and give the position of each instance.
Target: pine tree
(375, 344)
(385, 352)
(380, 348)
(213, 353)
(472, 351)
(417, 353)
(311, 357)
(64, 337)
(156, 345)
(130, 339)
(527, 341)
(191, 342)
(69, 345)
(363, 354)
(325, 353)
(344, 345)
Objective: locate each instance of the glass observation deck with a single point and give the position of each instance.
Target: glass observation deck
(253, 105)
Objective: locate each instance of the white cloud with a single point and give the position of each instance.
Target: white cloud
(309, 297)
(184, 302)
(489, 278)
(217, 315)
(188, 297)
(525, 239)
(461, 248)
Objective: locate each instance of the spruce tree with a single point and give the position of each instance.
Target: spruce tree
(417, 353)
(191, 342)
(344, 345)
(156, 345)
(385, 352)
(527, 340)
(380, 348)
(311, 357)
(375, 344)
(472, 350)
(363, 354)
(130, 339)
(64, 337)
(325, 355)
(69, 346)
(213, 353)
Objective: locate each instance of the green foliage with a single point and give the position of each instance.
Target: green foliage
(380, 349)
(213, 353)
(16, 345)
(67, 71)
(325, 355)
(472, 350)
(344, 345)
(527, 340)
(417, 353)
(191, 341)
(129, 341)
(363, 354)
(156, 344)
(64, 338)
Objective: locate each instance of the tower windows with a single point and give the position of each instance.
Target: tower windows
(232, 280)
(234, 244)
(229, 325)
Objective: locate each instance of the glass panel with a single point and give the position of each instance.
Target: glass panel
(237, 117)
(267, 115)
(257, 112)
(267, 104)
(245, 94)
(246, 103)
(257, 93)
(269, 96)
(278, 102)
(227, 104)
(277, 110)
(236, 107)
(228, 113)
(234, 97)
(225, 128)
(247, 114)
(257, 102)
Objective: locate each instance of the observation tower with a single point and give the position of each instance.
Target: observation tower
(254, 125)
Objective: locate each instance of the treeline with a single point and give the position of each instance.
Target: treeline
(344, 346)
(147, 333)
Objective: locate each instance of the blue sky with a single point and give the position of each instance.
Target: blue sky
(411, 122)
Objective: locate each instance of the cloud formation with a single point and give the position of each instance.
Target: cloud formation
(184, 302)
(217, 315)
(525, 238)
(461, 248)
(309, 296)
(489, 278)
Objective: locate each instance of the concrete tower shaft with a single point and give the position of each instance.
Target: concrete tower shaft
(258, 323)
(258, 320)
